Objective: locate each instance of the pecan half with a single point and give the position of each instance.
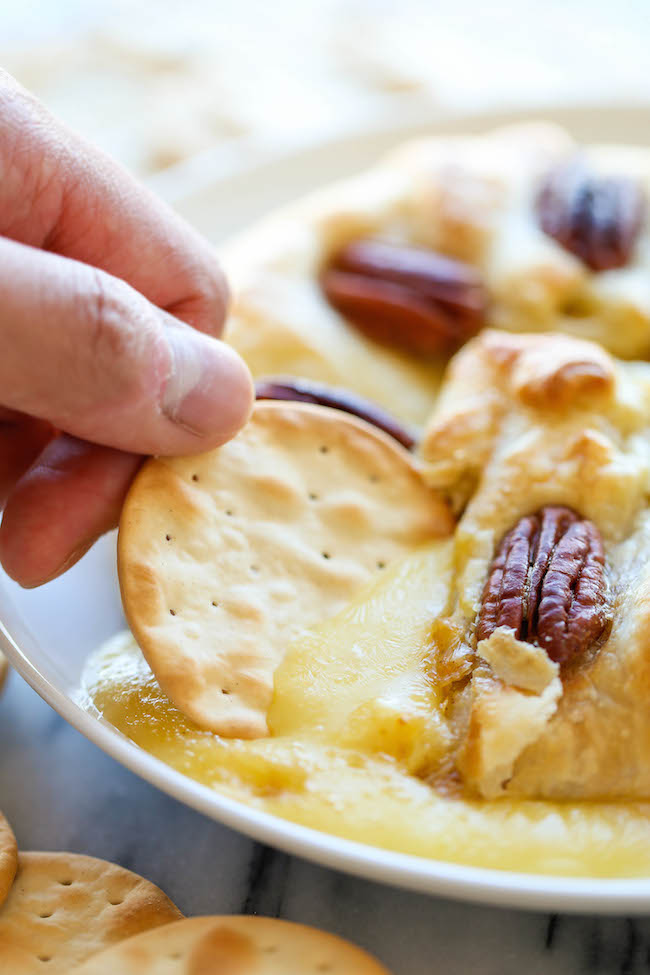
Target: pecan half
(547, 583)
(596, 218)
(306, 391)
(406, 297)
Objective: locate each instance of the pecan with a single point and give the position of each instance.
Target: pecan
(406, 297)
(596, 218)
(547, 583)
(306, 391)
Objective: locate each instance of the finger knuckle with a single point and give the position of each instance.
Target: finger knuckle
(105, 316)
(208, 301)
(120, 337)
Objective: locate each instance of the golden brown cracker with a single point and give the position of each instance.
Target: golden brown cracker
(8, 858)
(224, 558)
(64, 907)
(238, 945)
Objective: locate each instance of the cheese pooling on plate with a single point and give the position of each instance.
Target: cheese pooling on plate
(348, 764)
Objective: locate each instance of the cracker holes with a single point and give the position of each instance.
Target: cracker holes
(374, 478)
(313, 496)
(381, 564)
(326, 555)
(116, 902)
(44, 957)
(215, 603)
(66, 883)
(175, 956)
(224, 691)
(324, 966)
(46, 914)
(195, 477)
(229, 512)
(324, 449)
(168, 538)
(172, 612)
(270, 949)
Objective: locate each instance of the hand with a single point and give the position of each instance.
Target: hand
(110, 308)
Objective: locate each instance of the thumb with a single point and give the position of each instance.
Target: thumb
(87, 352)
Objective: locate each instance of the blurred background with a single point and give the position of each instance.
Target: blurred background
(156, 82)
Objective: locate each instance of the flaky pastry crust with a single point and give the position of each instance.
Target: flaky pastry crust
(523, 422)
(468, 197)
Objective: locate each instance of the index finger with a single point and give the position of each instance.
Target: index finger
(61, 194)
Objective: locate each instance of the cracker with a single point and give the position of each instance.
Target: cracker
(63, 908)
(241, 945)
(223, 558)
(8, 858)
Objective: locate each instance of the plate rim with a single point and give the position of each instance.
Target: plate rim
(487, 886)
(502, 888)
(177, 184)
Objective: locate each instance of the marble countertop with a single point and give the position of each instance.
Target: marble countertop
(62, 793)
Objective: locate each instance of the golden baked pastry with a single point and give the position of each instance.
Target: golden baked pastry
(518, 229)
(544, 444)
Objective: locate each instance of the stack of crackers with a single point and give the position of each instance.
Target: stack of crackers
(67, 914)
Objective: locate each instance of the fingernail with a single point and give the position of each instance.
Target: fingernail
(209, 390)
(67, 563)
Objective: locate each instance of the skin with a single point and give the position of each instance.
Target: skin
(110, 312)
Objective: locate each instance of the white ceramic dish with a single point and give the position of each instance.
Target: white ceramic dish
(47, 633)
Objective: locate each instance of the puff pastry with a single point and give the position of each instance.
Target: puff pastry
(471, 198)
(523, 422)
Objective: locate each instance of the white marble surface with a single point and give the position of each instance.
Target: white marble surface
(62, 793)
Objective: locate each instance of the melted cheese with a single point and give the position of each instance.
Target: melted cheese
(356, 723)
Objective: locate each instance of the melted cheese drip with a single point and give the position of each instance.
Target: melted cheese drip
(355, 718)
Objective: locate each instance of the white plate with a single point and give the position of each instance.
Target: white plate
(47, 633)
(220, 201)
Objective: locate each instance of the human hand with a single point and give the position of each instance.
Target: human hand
(110, 308)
